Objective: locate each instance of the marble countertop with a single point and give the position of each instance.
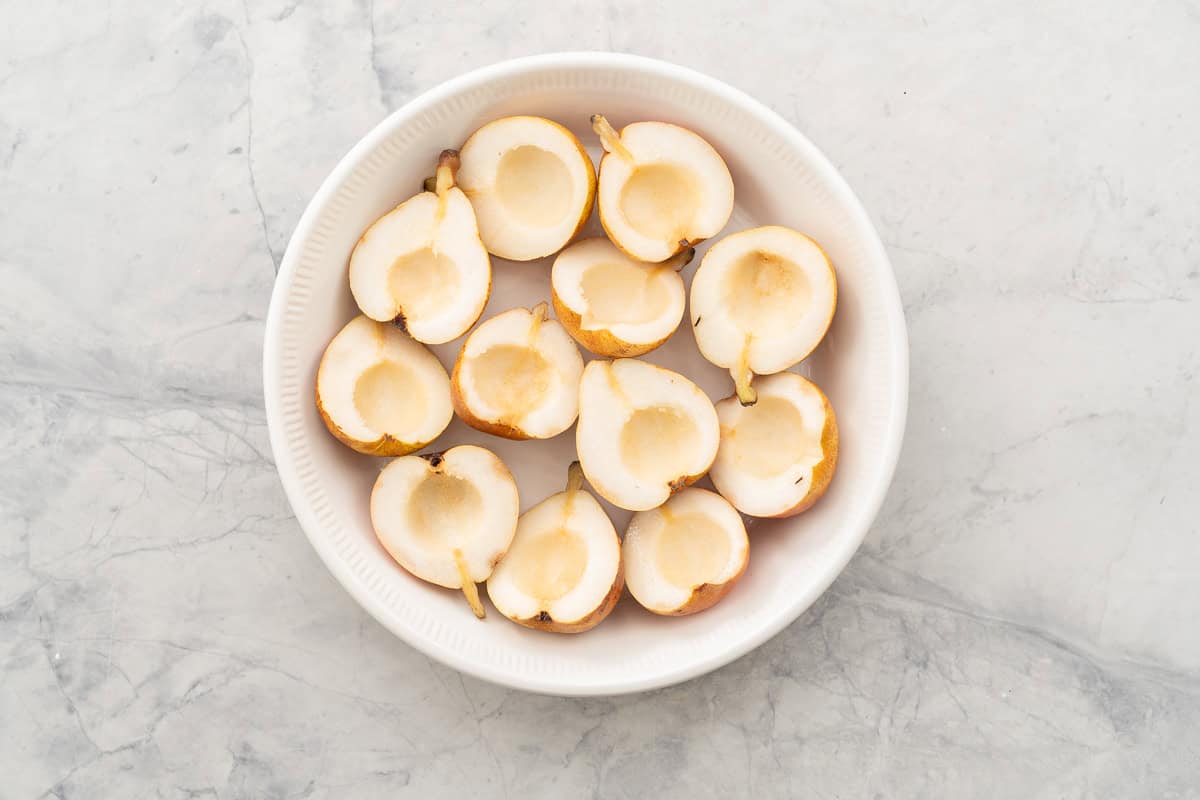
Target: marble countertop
(1023, 620)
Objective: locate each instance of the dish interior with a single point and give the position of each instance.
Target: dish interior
(779, 179)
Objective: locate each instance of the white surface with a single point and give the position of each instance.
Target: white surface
(863, 367)
(1020, 622)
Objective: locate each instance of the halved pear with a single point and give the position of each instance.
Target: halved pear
(685, 555)
(380, 392)
(563, 572)
(644, 432)
(517, 376)
(778, 455)
(615, 306)
(531, 183)
(422, 264)
(447, 518)
(662, 188)
(762, 300)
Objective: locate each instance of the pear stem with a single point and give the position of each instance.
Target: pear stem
(540, 313)
(574, 477)
(447, 167)
(742, 376)
(469, 589)
(610, 140)
(678, 261)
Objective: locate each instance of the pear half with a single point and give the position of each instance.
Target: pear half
(644, 432)
(762, 300)
(777, 456)
(380, 392)
(422, 264)
(661, 188)
(615, 306)
(517, 376)
(531, 183)
(685, 555)
(563, 572)
(447, 518)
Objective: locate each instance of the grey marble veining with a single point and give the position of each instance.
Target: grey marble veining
(1023, 621)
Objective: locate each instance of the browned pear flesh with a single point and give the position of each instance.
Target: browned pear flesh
(517, 376)
(613, 305)
(661, 188)
(685, 555)
(778, 456)
(563, 573)
(379, 392)
(761, 301)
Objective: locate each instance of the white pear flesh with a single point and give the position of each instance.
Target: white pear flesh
(381, 393)
(762, 300)
(563, 572)
(447, 518)
(531, 183)
(644, 432)
(517, 376)
(777, 456)
(661, 188)
(613, 305)
(685, 555)
(423, 265)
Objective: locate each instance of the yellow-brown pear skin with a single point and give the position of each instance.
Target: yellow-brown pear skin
(822, 473)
